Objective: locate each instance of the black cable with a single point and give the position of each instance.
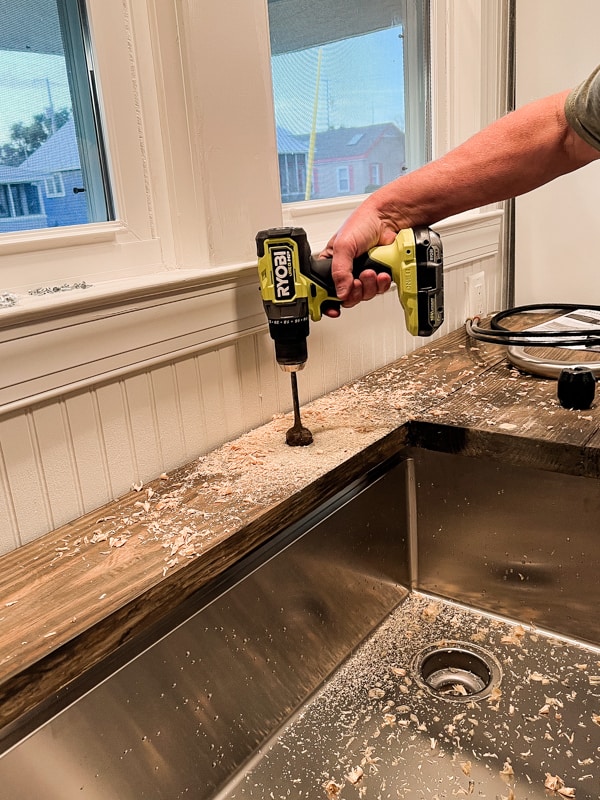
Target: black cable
(498, 334)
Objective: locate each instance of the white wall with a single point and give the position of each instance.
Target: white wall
(140, 376)
(556, 225)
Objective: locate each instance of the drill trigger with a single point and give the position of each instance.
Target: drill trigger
(330, 305)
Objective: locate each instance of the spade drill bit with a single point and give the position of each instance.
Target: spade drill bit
(297, 435)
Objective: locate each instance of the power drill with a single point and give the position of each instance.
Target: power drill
(294, 285)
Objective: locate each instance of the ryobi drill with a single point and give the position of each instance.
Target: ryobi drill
(294, 285)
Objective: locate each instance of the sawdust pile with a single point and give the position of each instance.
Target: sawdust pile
(220, 492)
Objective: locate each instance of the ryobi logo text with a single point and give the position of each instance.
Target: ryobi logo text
(283, 273)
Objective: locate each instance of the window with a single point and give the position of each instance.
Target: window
(54, 185)
(49, 134)
(26, 199)
(343, 180)
(375, 173)
(4, 201)
(340, 89)
(20, 205)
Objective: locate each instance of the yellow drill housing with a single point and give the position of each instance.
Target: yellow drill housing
(295, 286)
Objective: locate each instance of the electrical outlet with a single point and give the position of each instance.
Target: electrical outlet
(475, 295)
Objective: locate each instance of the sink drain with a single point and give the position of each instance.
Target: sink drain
(457, 671)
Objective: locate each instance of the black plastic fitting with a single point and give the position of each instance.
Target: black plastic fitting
(576, 388)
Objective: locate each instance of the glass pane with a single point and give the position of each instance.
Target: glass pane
(340, 101)
(51, 160)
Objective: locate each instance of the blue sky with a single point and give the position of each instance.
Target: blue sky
(24, 82)
(361, 83)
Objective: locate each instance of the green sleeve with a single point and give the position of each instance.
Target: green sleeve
(582, 109)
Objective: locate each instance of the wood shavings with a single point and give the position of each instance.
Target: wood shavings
(355, 775)
(494, 695)
(514, 637)
(536, 676)
(556, 784)
(332, 790)
(167, 502)
(507, 770)
(431, 611)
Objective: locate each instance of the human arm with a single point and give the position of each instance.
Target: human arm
(517, 153)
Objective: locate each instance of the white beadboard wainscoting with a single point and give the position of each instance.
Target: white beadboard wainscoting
(81, 436)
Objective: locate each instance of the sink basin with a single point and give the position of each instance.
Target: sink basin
(430, 632)
(376, 729)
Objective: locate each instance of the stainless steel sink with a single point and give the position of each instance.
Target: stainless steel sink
(431, 632)
(378, 730)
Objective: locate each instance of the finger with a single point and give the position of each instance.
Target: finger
(355, 295)
(384, 282)
(341, 272)
(368, 279)
(327, 251)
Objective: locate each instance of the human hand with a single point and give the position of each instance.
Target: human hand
(363, 230)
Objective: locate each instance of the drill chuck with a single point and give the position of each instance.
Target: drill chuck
(290, 335)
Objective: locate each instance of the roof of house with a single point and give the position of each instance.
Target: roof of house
(338, 142)
(16, 175)
(288, 143)
(353, 142)
(58, 153)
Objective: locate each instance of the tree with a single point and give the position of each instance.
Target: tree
(25, 139)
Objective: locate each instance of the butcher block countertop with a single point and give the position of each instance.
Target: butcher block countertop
(71, 598)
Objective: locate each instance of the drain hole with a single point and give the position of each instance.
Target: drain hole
(457, 671)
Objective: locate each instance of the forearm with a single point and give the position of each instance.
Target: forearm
(516, 154)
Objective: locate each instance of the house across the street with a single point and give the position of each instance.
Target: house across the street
(346, 161)
(57, 163)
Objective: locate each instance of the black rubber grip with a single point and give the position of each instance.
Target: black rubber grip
(321, 270)
(366, 262)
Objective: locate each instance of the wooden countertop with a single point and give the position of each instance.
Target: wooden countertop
(71, 598)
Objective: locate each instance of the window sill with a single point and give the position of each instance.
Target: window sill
(61, 342)
(52, 238)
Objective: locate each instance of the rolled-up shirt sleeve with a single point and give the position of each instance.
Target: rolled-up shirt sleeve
(582, 109)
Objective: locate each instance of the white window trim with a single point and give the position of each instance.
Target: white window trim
(192, 189)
